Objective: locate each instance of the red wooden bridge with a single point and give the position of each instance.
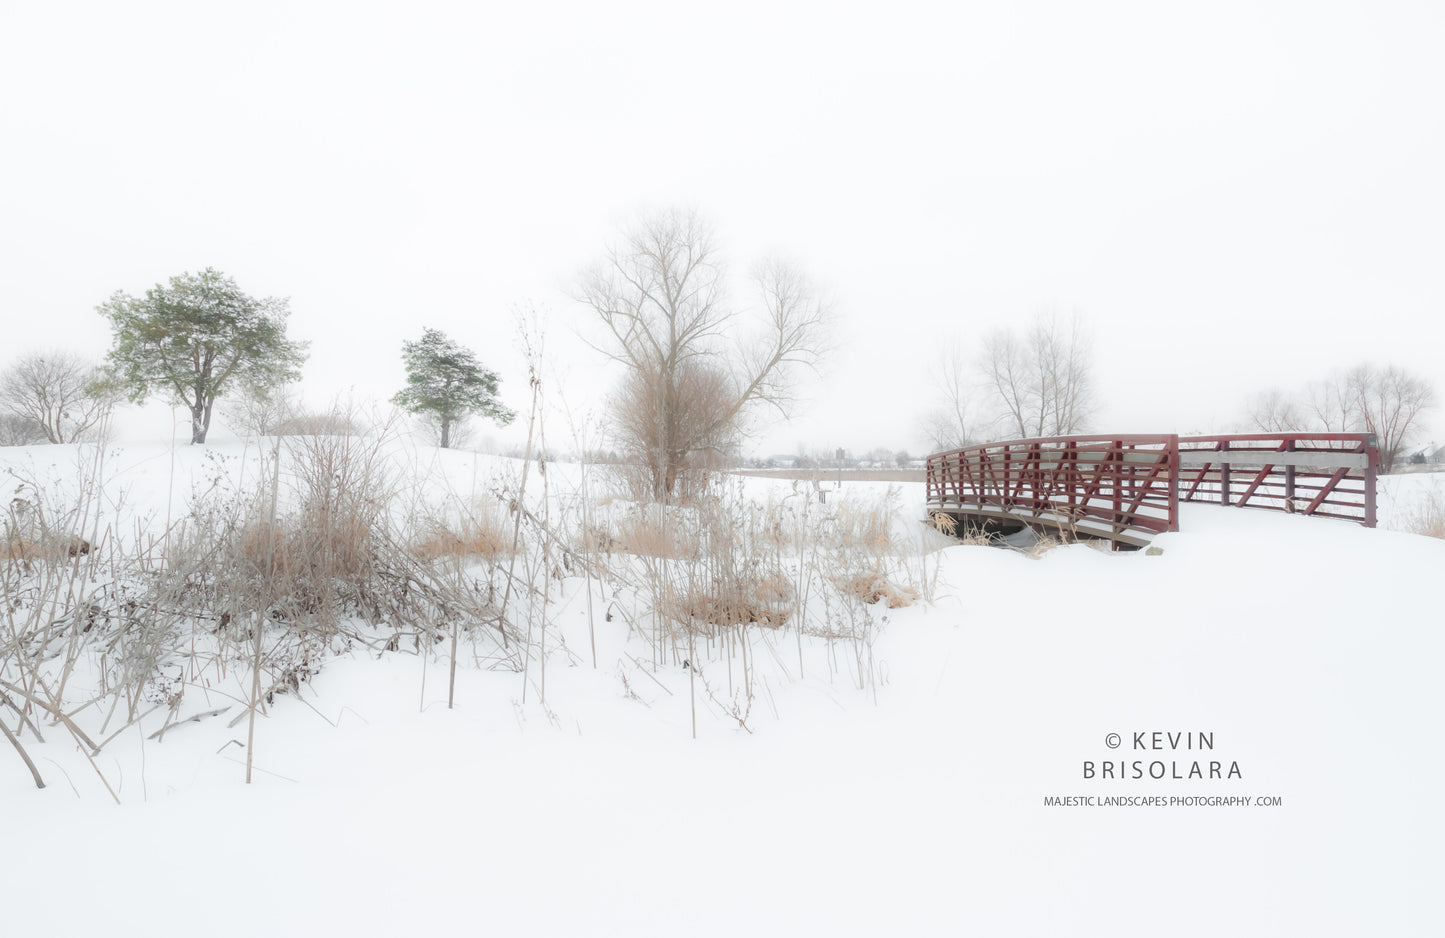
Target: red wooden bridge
(1127, 489)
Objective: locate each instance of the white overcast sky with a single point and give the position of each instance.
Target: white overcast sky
(1234, 195)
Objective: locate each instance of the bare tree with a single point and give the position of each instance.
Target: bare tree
(660, 298)
(952, 424)
(1275, 411)
(1333, 404)
(19, 431)
(258, 412)
(1041, 381)
(1388, 401)
(59, 391)
(1384, 401)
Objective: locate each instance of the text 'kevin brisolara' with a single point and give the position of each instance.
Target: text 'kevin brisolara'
(1181, 770)
(1161, 801)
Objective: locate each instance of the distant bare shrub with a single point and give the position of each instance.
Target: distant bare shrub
(16, 430)
(333, 422)
(61, 392)
(258, 412)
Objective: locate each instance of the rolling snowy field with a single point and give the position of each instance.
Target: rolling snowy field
(895, 783)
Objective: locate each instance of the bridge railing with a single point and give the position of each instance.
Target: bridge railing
(1332, 475)
(1117, 487)
(1128, 488)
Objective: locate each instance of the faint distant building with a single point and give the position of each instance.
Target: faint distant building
(1426, 454)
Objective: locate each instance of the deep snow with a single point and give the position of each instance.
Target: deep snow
(1307, 649)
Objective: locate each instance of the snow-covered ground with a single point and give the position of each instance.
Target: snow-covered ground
(903, 795)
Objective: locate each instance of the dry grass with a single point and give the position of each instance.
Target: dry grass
(867, 527)
(325, 549)
(483, 533)
(33, 530)
(309, 560)
(253, 583)
(944, 523)
(1425, 516)
(874, 587)
(1043, 545)
(765, 600)
(44, 548)
(655, 531)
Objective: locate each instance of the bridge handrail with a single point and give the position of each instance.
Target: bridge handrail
(1332, 475)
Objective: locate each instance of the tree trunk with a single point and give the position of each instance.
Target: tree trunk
(446, 433)
(198, 423)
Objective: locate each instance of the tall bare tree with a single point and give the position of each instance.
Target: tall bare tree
(1041, 380)
(659, 296)
(61, 392)
(953, 423)
(1389, 401)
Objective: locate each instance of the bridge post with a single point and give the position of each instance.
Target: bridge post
(1173, 481)
(1371, 473)
(1116, 457)
(1289, 479)
(1007, 477)
(1224, 474)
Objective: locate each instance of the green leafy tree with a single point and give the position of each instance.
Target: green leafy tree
(446, 384)
(196, 338)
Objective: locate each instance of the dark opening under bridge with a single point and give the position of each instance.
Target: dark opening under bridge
(1127, 489)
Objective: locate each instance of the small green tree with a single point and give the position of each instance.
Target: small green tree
(447, 384)
(197, 337)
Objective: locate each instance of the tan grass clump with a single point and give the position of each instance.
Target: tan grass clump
(874, 587)
(654, 532)
(1044, 544)
(311, 562)
(761, 597)
(483, 533)
(944, 523)
(24, 536)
